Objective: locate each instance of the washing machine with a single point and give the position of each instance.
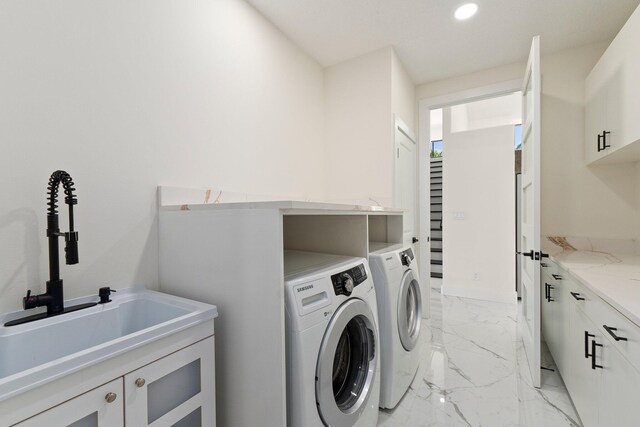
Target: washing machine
(332, 347)
(399, 299)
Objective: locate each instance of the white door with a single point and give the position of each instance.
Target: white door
(530, 244)
(100, 407)
(406, 197)
(405, 179)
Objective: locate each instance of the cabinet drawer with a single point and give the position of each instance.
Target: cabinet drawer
(587, 300)
(550, 267)
(613, 324)
(602, 314)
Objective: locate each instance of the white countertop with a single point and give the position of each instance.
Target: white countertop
(613, 277)
(193, 199)
(288, 206)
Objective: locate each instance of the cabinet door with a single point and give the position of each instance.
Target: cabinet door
(100, 407)
(177, 390)
(583, 382)
(546, 313)
(619, 399)
(595, 113)
(563, 306)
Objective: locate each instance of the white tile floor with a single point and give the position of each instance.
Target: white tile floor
(474, 373)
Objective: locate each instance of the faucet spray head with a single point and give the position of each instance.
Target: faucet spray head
(71, 247)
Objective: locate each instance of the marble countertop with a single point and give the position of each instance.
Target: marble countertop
(190, 199)
(610, 270)
(288, 206)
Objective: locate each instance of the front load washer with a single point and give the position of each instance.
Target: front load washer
(332, 344)
(400, 313)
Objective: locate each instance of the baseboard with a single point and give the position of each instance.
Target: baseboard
(509, 297)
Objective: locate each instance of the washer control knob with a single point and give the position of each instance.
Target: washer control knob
(406, 260)
(348, 282)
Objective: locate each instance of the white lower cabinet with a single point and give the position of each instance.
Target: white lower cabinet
(582, 380)
(177, 390)
(619, 397)
(601, 374)
(100, 407)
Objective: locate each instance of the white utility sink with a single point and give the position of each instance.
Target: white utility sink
(35, 353)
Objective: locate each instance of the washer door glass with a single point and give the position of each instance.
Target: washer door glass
(409, 311)
(346, 364)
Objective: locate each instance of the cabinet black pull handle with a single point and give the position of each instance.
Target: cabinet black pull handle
(612, 333)
(543, 255)
(600, 143)
(549, 299)
(594, 344)
(604, 140)
(544, 265)
(557, 276)
(576, 296)
(586, 344)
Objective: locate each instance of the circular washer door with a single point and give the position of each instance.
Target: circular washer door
(409, 311)
(346, 364)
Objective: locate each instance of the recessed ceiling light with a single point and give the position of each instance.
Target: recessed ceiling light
(466, 11)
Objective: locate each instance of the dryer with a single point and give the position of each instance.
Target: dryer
(332, 342)
(400, 315)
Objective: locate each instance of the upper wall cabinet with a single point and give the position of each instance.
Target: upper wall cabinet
(612, 120)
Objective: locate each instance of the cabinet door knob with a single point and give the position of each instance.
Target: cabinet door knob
(140, 382)
(110, 397)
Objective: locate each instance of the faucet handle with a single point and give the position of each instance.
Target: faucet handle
(28, 302)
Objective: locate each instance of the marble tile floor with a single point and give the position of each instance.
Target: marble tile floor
(474, 373)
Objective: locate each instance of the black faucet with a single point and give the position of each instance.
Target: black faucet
(53, 298)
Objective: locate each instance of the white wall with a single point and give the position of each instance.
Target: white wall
(361, 97)
(126, 95)
(358, 129)
(403, 93)
(492, 112)
(479, 214)
(577, 200)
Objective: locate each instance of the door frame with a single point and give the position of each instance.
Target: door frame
(425, 106)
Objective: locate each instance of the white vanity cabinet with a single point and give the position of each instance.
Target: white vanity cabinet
(100, 407)
(597, 351)
(612, 128)
(176, 390)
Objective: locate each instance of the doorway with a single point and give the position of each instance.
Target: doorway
(469, 190)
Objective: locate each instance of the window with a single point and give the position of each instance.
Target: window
(436, 148)
(517, 136)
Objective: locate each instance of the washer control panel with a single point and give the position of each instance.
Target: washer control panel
(406, 257)
(345, 281)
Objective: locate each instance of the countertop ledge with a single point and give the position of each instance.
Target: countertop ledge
(613, 277)
(287, 206)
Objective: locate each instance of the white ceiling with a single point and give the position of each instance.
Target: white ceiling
(430, 42)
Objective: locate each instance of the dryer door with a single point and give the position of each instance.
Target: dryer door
(409, 311)
(347, 364)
